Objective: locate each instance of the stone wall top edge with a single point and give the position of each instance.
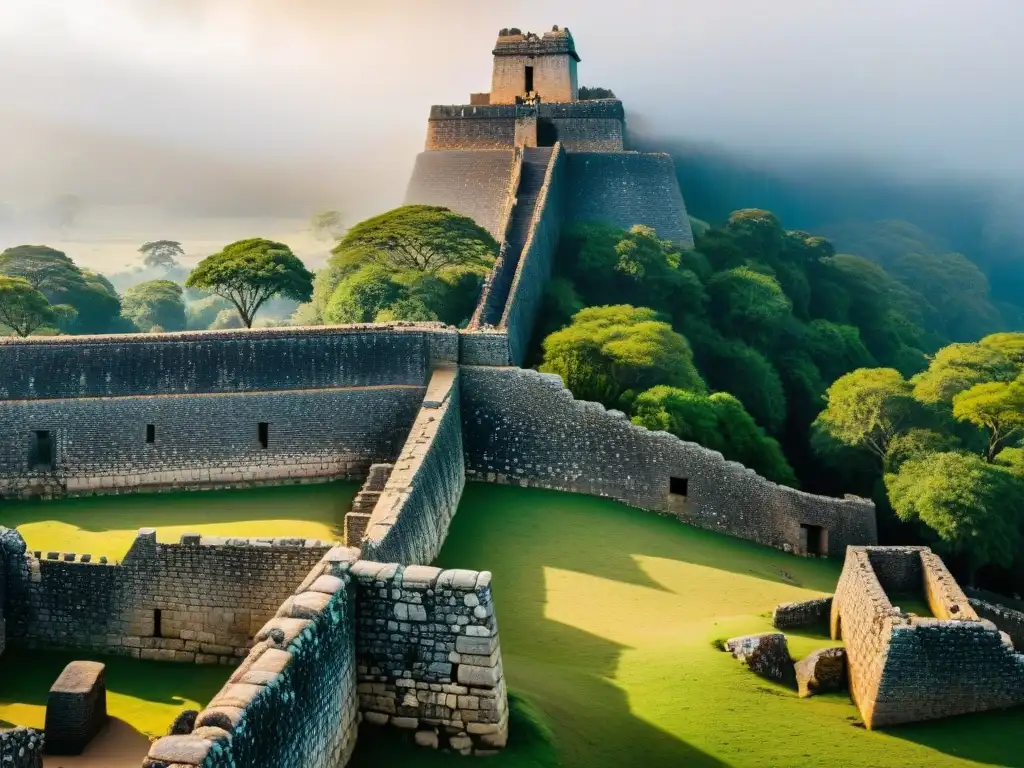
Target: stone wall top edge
(420, 576)
(604, 108)
(236, 334)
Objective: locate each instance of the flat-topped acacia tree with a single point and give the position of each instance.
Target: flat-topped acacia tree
(249, 272)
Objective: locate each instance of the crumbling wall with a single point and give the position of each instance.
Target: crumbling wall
(292, 703)
(429, 655)
(203, 440)
(1006, 619)
(628, 188)
(473, 183)
(21, 748)
(806, 613)
(535, 263)
(410, 521)
(212, 595)
(906, 669)
(524, 428)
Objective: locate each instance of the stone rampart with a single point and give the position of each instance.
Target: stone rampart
(535, 263)
(473, 183)
(21, 748)
(628, 188)
(410, 521)
(429, 655)
(198, 601)
(292, 702)
(118, 444)
(903, 668)
(812, 613)
(525, 428)
(247, 360)
(1008, 620)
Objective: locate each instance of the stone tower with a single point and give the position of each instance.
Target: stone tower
(528, 66)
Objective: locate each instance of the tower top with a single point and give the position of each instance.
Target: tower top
(514, 42)
(533, 67)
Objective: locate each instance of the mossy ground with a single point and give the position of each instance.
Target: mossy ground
(106, 525)
(608, 617)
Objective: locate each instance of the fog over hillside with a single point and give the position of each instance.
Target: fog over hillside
(266, 108)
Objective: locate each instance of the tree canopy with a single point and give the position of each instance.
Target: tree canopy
(249, 272)
(161, 254)
(327, 225)
(155, 304)
(23, 308)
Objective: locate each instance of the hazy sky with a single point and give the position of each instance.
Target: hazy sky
(282, 103)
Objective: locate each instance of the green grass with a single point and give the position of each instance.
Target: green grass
(147, 695)
(106, 525)
(608, 617)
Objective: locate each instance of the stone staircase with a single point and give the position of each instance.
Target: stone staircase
(362, 506)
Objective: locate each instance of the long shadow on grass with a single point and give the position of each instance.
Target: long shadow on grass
(991, 738)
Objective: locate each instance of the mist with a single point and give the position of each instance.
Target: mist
(271, 110)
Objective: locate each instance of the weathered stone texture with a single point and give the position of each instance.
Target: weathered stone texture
(524, 428)
(821, 671)
(1007, 620)
(628, 188)
(410, 521)
(905, 669)
(473, 183)
(76, 709)
(807, 613)
(21, 748)
(429, 655)
(210, 440)
(212, 595)
(358, 517)
(766, 655)
(552, 57)
(292, 702)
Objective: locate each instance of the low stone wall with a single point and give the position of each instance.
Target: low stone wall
(535, 263)
(358, 517)
(429, 655)
(525, 428)
(484, 348)
(198, 601)
(1007, 620)
(410, 521)
(21, 748)
(905, 669)
(292, 703)
(808, 613)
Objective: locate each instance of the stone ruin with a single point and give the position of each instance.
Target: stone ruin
(76, 710)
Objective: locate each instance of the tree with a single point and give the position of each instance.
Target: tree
(749, 305)
(157, 303)
(609, 354)
(327, 225)
(998, 408)
(865, 410)
(46, 269)
(422, 237)
(972, 507)
(718, 422)
(249, 272)
(22, 307)
(731, 366)
(958, 367)
(161, 254)
(590, 93)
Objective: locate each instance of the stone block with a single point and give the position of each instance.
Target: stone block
(822, 671)
(766, 655)
(76, 709)
(472, 675)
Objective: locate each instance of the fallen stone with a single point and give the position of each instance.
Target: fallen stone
(766, 655)
(427, 739)
(822, 671)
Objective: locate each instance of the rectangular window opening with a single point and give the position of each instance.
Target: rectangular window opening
(151, 433)
(680, 486)
(42, 449)
(158, 620)
(814, 539)
(264, 434)
(529, 79)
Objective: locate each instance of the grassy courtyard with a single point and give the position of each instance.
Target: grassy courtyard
(106, 525)
(608, 617)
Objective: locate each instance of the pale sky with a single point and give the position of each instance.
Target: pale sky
(281, 103)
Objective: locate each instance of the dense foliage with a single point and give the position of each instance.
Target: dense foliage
(157, 305)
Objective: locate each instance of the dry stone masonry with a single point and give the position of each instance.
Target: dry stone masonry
(21, 748)
(812, 613)
(76, 709)
(905, 668)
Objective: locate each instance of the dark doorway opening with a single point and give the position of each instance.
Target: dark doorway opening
(529, 79)
(680, 486)
(264, 434)
(151, 433)
(814, 539)
(547, 133)
(42, 449)
(158, 623)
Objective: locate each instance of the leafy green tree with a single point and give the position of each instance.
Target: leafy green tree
(996, 407)
(422, 237)
(588, 93)
(249, 272)
(836, 349)
(718, 422)
(915, 443)
(161, 254)
(958, 367)
(201, 313)
(23, 308)
(973, 508)
(327, 225)
(1013, 460)
(46, 269)
(865, 410)
(362, 295)
(615, 351)
(749, 305)
(1010, 344)
(731, 366)
(157, 303)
